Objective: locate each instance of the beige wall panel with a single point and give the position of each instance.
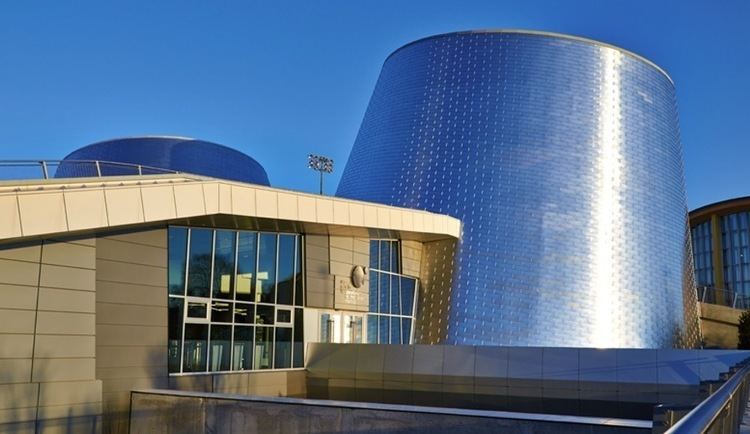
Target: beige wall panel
(341, 255)
(384, 217)
(19, 273)
(137, 336)
(122, 372)
(117, 292)
(86, 209)
(114, 357)
(122, 251)
(54, 276)
(136, 274)
(225, 199)
(16, 346)
(124, 206)
(18, 395)
(361, 259)
(407, 221)
(341, 268)
(243, 201)
(63, 323)
(69, 255)
(66, 411)
(371, 216)
(317, 240)
(361, 245)
(49, 346)
(158, 203)
(345, 243)
(15, 370)
(211, 198)
(16, 321)
(189, 200)
(266, 204)
(324, 210)
(306, 209)
(428, 224)
(131, 314)
(25, 253)
(154, 237)
(10, 224)
(42, 213)
(14, 415)
(125, 385)
(418, 222)
(48, 370)
(396, 217)
(65, 300)
(288, 207)
(356, 214)
(70, 392)
(17, 297)
(340, 213)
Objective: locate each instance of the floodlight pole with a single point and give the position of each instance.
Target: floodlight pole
(320, 164)
(321, 182)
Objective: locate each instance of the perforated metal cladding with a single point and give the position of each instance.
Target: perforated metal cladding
(562, 159)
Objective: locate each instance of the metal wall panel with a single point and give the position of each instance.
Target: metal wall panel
(562, 158)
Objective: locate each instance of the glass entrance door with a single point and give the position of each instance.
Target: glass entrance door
(339, 327)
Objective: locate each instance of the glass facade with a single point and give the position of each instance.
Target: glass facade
(736, 253)
(702, 254)
(392, 304)
(562, 159)
(235, 300)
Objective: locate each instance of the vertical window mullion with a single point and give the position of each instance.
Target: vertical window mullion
(184, 301)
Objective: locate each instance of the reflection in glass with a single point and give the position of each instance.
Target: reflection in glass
(326, 328)
(406, 331)
(266, 269)
(246, 259)
(264, 314)
(385, 292)
(221, 311)
(177, 255)
(395, 297)
(299, 339)
(283, 351)
(285, 286)
(385, 256)
(197, 310)
(372, 329)
(283, 315)
(384, 333)
(199, 268)
(394, 268)
(374, 250)
(194, 354)
(395, 330)
(244, 313)
(299, 298)
(408, 287)
(224, 264)
(373, 291)
(221, 336)
(175, 333)
(263, 347)
(242, 357)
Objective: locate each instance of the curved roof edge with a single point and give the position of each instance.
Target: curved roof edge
(540, 33)
(156, 136)
(721, 207)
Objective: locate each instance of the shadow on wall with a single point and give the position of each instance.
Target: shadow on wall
(39, 407)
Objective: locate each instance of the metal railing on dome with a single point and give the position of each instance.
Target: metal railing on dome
(46, 169)
(723, 297)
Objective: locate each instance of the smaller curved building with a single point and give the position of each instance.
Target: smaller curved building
(721, 248)
(179, 154)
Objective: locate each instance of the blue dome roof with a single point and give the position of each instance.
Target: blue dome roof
(174, 153)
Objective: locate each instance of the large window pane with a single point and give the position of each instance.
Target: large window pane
(199, 268)
(242, 358)
(395, 297)
(175, 333)
(407, 295)
(177, 258)
(283, 351)
(285, 286)
(221, 311)
(244, 313)
(372, 329)
(224, 264)
(196, 344)
(385, 256)
(299, 338)
(267, 268)
(384, 334)
(373, 291)
(264, 314)
(395, 330)
(263, 347)
(406, 331)
(385, 292)
(394, 257)
(246, 259)
(299, 297)
(221, 339)
(374, 249)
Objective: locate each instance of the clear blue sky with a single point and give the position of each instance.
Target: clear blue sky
(279, 80)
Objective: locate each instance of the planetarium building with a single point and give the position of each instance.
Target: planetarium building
(562, 158)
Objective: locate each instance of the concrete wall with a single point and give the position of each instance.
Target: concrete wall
(719, 325)
(185, 413)
(47, 338)
(131, 319)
